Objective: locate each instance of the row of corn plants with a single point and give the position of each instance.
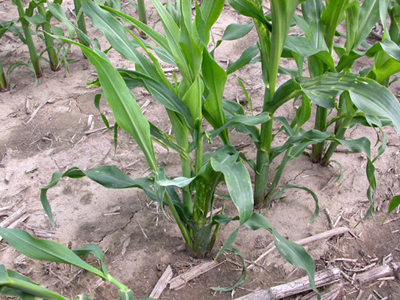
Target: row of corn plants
(196, 98)
(36, 16)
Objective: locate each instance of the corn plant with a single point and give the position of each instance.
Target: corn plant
(27, 33)
(362, 100)
(189, 102)
(5, 74)
(13, 284)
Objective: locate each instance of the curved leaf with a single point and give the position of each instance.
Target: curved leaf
(13, 284)
(45, 250)
(107, 176)
(239, 185)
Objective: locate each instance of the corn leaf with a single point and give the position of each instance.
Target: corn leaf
(13, 284)
(368, 95)
(239, 186)
(332, 16)
(161, 93)
(394, 203)
(107, 176)
(172, 33)
(93, 250)
(116, 36)
(316, 212)
(242, 120)
(45, 250)
(126, 111)
(369, 16)
(243, 60)
(214, 78)
(291, 252)
(210, 12)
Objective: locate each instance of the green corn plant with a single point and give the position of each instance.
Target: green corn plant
(42, 18)
(51, 51)
(27, 33)
(13, 284)
(190, 101)
(5, 84)
(362, 100)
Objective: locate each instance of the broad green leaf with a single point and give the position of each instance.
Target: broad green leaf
(371, 174)
(332, 16)
(369, 16)
(394, 203)
(116, 36)
(358, 145)
(214, 78)
(154, 35)
(210, 12)
(235, 31)
(239, 186)
(352, 19)
(282, 12)
(58, 13)
(36, 19)
(243, 60)
(172, 33)
(179, 182)
(248, 9)
(161, 93)
(126, 111)
(368, 95)
(107, 176)
(93, 250)
(13, 284)
(242, 120)
(312, 11)
(45, 250)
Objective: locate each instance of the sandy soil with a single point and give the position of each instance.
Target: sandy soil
(138, 241)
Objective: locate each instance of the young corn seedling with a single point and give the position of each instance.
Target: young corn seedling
(189, 102)
(27, 33)
(14, 284)
(5, 84)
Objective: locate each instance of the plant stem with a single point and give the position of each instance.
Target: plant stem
(53, 58)
(320, 124)
(4, 85)
(346, 107)
(178, 221)
(29, 40)
(80, 21)
(142, 11)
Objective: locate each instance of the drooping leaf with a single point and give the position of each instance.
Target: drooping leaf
(126, 111)
(239, 186)
(107, 176)
(13, 284)
(45, 250)
(291, 252)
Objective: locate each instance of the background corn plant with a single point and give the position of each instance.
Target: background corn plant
(362, 100)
